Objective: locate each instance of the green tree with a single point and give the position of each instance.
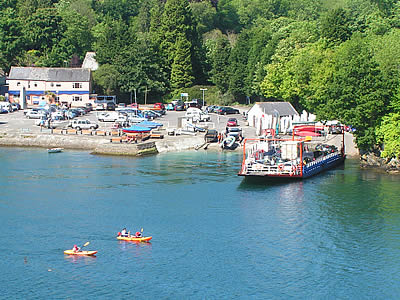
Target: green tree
(354, 91)
(335, 25)
(182, 72)
(105, 78)
(177, 22)
(388, 135)
(11, 40)
(218, 54)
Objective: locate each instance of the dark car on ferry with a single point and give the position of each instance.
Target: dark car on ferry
(226, 110)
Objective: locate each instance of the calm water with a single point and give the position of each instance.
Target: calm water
(336, 236)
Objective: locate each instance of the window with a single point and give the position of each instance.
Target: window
(77, 98)
(58, 84)
(52, 84)
(77, 85)
(18, 83)
(35, 84)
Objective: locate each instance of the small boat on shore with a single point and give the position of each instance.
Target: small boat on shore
(144, 239)
(228, 142)
(55, 150)
(136, 129)
(80, 253)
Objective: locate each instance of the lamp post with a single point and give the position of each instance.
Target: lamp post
(203, 90)
(135, 96)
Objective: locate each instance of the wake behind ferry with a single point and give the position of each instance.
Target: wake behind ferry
(292, 158)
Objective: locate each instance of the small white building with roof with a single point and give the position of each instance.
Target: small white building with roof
(272, 115)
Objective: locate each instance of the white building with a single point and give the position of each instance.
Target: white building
(69, 86)
(272, 115)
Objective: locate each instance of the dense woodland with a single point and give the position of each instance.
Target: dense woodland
(339, 59)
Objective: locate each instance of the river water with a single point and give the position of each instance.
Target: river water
(215, 236)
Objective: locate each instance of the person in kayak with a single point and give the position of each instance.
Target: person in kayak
(124, 233)
(76, 248)
(138, 234)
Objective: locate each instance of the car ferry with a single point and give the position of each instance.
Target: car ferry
(293, 158)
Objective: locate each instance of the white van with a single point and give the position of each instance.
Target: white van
(197, 115)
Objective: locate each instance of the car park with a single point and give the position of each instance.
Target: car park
(226, 110)
(232, 122)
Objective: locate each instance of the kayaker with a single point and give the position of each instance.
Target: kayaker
(76, 248)
(138, 234)
(124, 233)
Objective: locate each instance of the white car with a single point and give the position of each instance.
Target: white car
(83, 124)
(33, 114)
(136, 119)
(108, 117)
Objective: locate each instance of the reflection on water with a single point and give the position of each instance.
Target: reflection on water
(215, 234)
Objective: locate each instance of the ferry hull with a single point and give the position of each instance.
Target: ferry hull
(308, 171)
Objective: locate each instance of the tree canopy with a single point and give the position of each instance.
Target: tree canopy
(337, 59)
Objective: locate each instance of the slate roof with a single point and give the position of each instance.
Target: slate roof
(283, 108)
(49, 74)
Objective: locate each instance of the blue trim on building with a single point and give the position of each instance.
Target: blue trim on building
(42, 93)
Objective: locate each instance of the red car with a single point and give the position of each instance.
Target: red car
(159, 106)
(232, 122)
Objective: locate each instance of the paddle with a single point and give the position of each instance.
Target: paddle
(84, 245)
(141, 231)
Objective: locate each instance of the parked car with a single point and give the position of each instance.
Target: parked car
(99, 106)
(6, 106)
(225, 110)
(35, 114)
(70, 114)
(110, 106)
(152, 113)
(179, 106)
(159, 106)
(197, 115)
(81, 110)
(170, 106)
(89, 106)
(15, 106)
(234, 131)
(108, 116)
(232, 122)
(211, 136)
(83, 124)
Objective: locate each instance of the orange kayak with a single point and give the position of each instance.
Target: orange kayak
(135, 239)
(85, 253)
